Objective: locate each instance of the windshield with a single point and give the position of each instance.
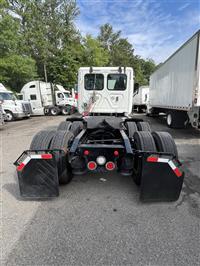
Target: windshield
(7, 96)
(67, 94)
(117, 82)
(94, 81)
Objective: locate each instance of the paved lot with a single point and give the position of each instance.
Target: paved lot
(95, 222)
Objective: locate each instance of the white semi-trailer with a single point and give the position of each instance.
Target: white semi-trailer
(140, 99)
(175, 88)
(47, 98)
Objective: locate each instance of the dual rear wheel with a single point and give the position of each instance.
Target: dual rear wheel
(147, 141)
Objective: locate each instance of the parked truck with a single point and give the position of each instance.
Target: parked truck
(2, 115)
(175, 86)
(13, 107)
(105, 138)
(140, 99)
(48, 99)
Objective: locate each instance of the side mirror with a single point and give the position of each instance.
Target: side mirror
(136, 87)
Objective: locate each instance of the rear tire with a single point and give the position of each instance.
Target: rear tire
(132, 128)
(65, 125)
(143, 141)
(54, 111)
(61, 141)
(143, 126)
(42, 140)
(65, 110)
(165, 143)
(76, 127)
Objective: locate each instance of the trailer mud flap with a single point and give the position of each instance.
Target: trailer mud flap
(37, 175)
(161, 179)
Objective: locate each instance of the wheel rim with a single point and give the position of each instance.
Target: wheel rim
(53, 112)
(65, 112)
(9, 116)
(169, 119)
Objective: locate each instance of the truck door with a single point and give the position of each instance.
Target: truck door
(35, 99)
(60, 99)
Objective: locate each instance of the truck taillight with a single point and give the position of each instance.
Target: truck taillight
(110, 166)
(92, 165)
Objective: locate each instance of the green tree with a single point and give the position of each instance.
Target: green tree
(15, 68)
(47, 27)
(94, 53)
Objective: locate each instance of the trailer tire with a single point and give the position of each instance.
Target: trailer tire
(76, 127)
(143, 126)
(132, 128)
(65, 125)
(176, 119)
(144, 141)
(54, 111)
(42, 140)
(60, 141)
(165, 143)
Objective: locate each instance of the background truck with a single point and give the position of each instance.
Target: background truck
(175, 86)
(105, 138)
(140, 99)
(47, 98)
(2, 115)
(13, 108)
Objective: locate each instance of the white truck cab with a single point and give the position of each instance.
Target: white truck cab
(105, 90)
(13, 108)
(141, 98)
(45, 97)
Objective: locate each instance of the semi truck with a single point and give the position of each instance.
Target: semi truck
(140, 99)
(105, 138)
(2, 115)
(48, 98)
(14, 108)
(175, 86)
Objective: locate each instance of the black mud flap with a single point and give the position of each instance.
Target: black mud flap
(37, 174)
(161, 180)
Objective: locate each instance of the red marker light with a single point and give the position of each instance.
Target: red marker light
(92, 165)
(116, 153)
(86, 152)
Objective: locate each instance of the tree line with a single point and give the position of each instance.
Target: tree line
(39, 35)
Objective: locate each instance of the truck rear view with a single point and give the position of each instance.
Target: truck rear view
(103, 142)
(175, 86)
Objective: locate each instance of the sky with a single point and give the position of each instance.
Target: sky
(155, 28)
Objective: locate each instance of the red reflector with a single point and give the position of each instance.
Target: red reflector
(46, 156)
(20, 167)
(116, 153)
(177, 172)
(86, 152)
(110, 166)
(152, 159)
(92, 165)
